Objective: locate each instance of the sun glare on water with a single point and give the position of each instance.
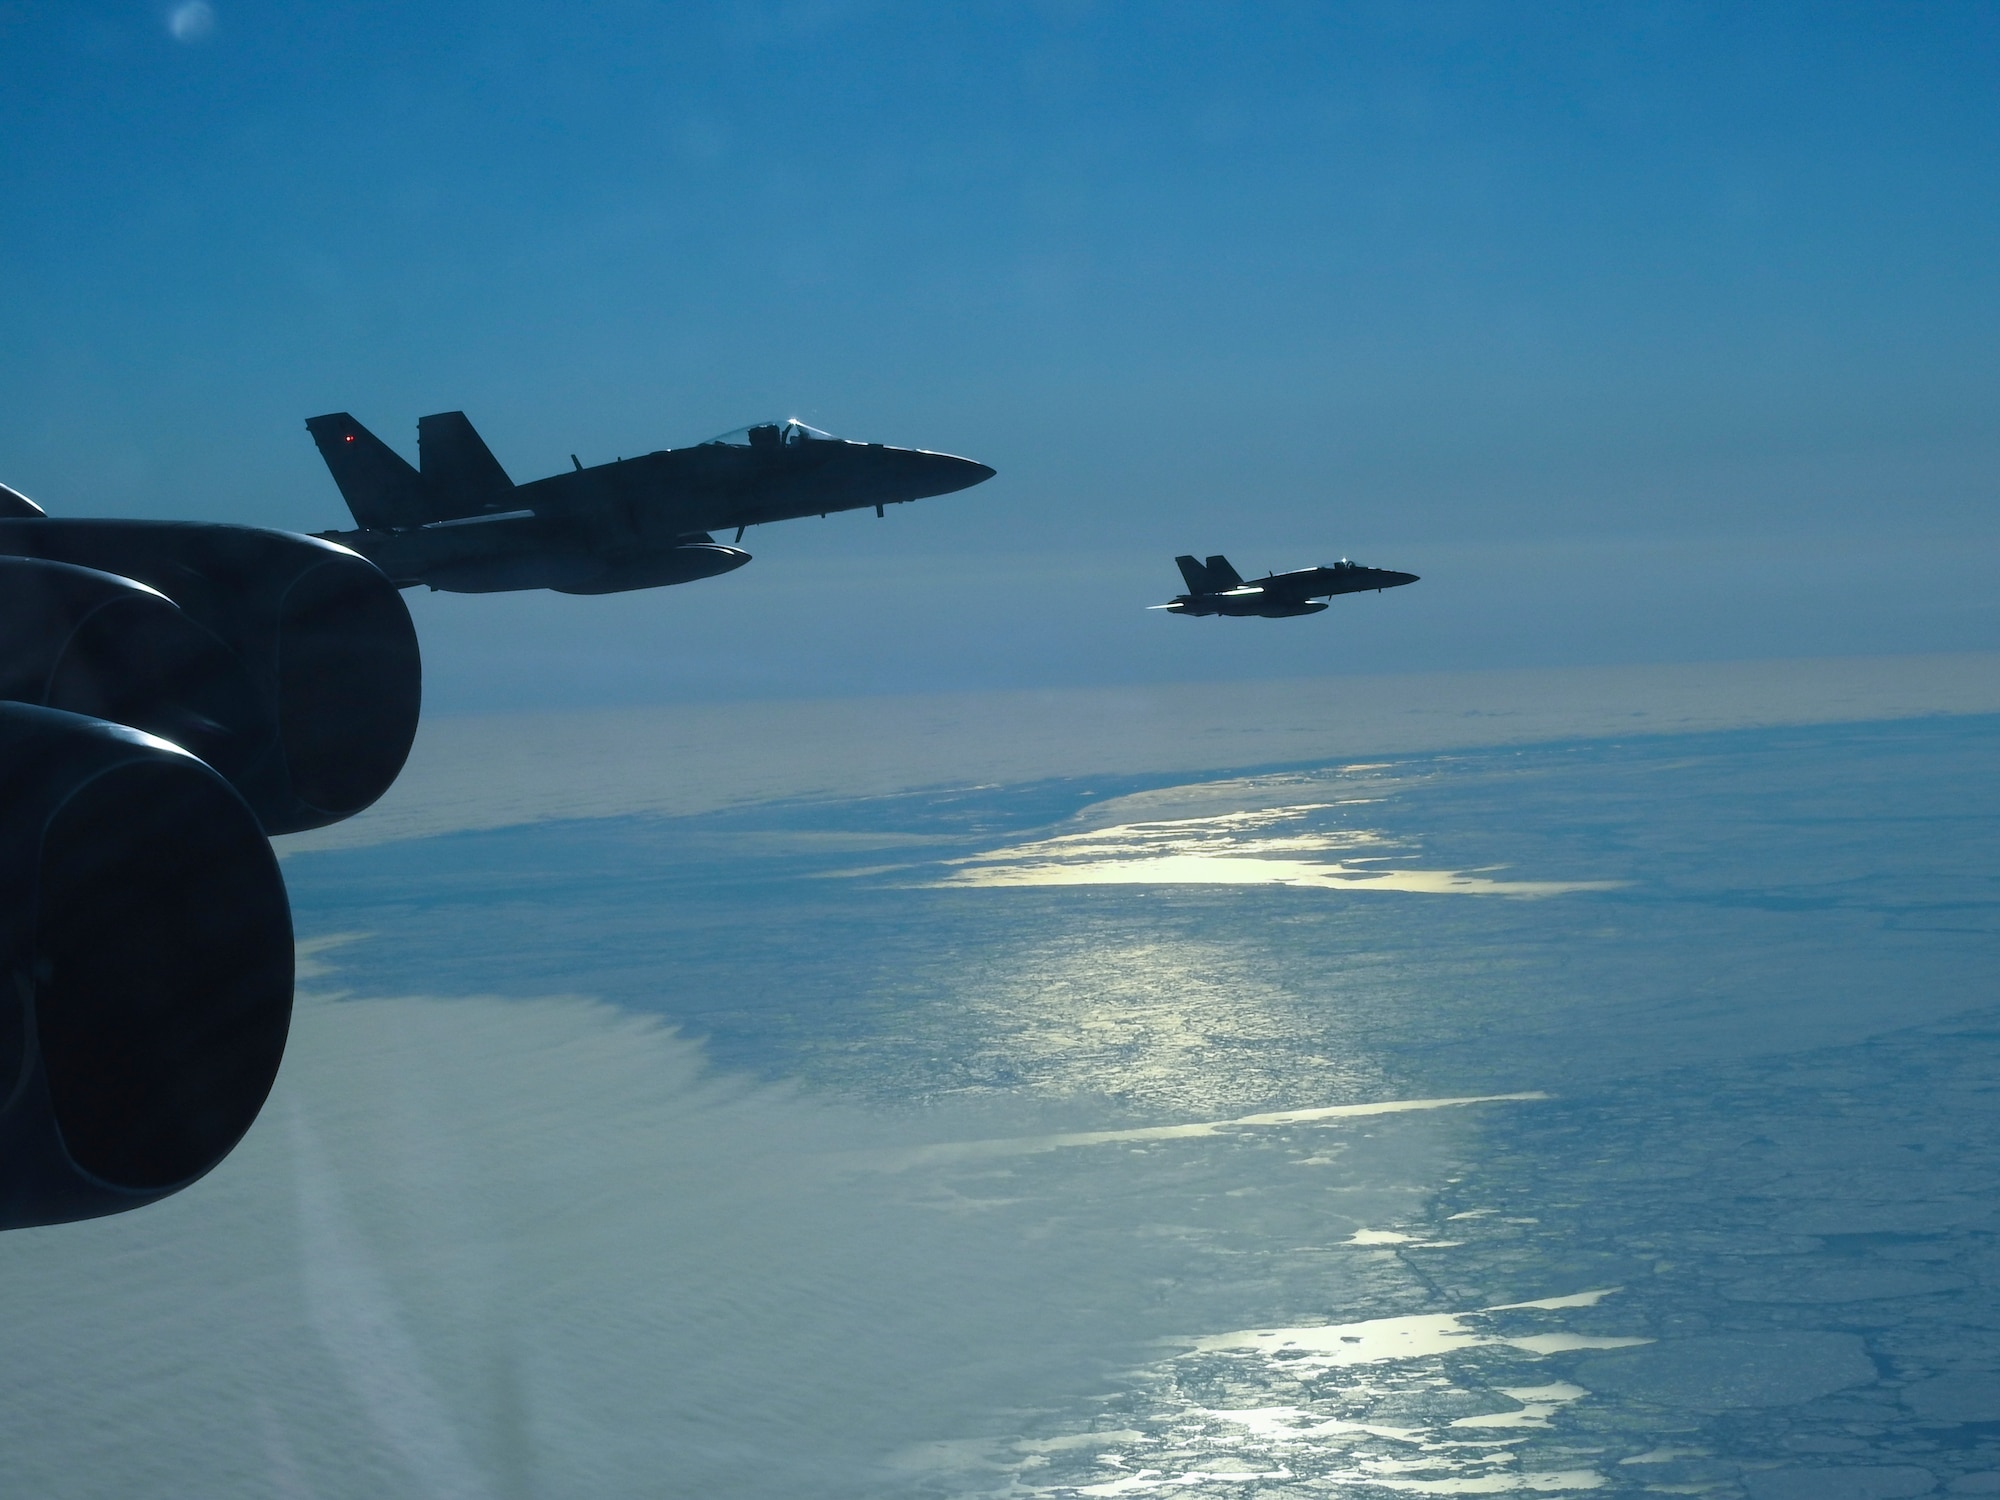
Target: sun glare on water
(1263, 847)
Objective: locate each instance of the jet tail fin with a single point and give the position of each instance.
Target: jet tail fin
(18, 507)
(1194, 574)
(378, 484)
(458, 469)
(1220, 575)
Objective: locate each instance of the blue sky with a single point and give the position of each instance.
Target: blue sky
(1643, 332)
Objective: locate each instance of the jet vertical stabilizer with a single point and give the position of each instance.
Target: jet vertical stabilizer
(461, 473)
(378, 484)
(1194, 574)
(1221, 576)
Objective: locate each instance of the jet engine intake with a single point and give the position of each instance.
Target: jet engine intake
(145, 967)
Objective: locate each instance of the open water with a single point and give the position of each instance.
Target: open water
(1611, 1117)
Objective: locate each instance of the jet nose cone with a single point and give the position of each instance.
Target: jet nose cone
(962, 473)
(1396, 580)
(942, 473)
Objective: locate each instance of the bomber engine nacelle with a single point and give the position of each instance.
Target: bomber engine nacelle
(319, 638)
(170, 694)
(145, 967)
(111, 648)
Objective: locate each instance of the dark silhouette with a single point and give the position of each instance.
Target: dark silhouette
(1215, 588)
(457, 522)
(170, 694)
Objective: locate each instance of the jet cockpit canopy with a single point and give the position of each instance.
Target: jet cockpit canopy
(789, 433)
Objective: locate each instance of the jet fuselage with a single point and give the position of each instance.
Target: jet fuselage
(633, 523)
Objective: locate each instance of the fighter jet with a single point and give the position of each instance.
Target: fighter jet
(457, 522)
(1215, 588)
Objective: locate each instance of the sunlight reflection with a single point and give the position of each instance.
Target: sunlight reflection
(1367, 1404)
(1190, 1029)
(1255, 847)
(1032, 1144)
(1331, 1345)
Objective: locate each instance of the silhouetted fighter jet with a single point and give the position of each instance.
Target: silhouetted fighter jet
(1215, 588)
(457, 522)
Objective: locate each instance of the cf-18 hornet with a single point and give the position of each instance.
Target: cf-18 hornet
(1215, 588)
(457, 522)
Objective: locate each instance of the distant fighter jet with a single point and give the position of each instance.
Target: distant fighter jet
(457, 522)
(1215, 588)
